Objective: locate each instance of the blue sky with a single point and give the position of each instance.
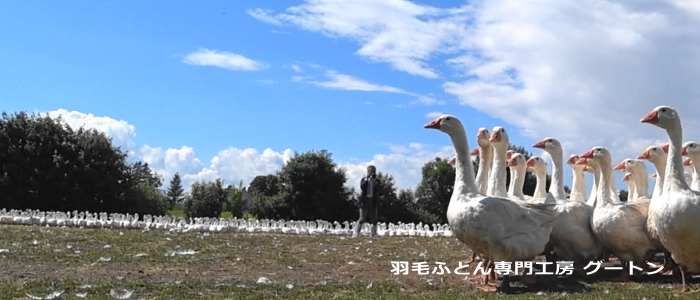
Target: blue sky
(231, 88)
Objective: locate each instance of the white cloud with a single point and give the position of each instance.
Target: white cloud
(232, 165)
(404, 163)
(347, 82)
(584, 72)
(429, 100)
(401, 33)
(433, 114)
(226, 60)
(296, 68)
(121, 132)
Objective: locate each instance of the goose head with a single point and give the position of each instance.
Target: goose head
(499, 137)
(483, 137)
(690, 149)
(687, 162)
(446, 123)
(517, 160)
(629, 164)
(627, 177)
(537, 164)
(571, 161)
(654, 153)
(509, 154)
(663, 116)
(549, 144)
(598, 154)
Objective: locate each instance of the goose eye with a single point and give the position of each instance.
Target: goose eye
(663, 110)
(503, 130)
(447, 118)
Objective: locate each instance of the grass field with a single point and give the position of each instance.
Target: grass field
(41, 260)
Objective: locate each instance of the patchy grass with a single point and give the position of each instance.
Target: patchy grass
(177, 211)
(41, 260)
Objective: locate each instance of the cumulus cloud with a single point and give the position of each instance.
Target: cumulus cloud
(226, 60)
(121, 132)
(584, 72)
(404, 163)
(234, 164)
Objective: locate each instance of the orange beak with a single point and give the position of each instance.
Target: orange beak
(572, 160)
(588, 154)
(582, 161)
(475, 151)
(452, 161)
(687, 162)
(620, 166)
(540, 144)
(626, 177)
(434, 124)
(651, 118)
(644, 155)
(509, 154)
(495, 137)
(665, 148)
(530, 163)
(684, 151)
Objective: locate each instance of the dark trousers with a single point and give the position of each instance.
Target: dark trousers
(368, 212)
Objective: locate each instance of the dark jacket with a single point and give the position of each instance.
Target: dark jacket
(364, 184)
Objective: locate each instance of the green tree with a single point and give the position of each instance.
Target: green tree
(206, 199)
(46, 165)
(395, 207)
(312, 187)
(175, 191)
(435, 189)
(267, 185)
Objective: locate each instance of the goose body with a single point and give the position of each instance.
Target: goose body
(678, 208)
(506, 230)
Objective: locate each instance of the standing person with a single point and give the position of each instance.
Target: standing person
(369, 186)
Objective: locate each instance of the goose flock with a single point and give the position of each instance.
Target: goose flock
(501, 224)
(182, 225)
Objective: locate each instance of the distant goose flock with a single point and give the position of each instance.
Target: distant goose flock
(179, 224)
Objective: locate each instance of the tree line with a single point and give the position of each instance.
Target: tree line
(47, 165)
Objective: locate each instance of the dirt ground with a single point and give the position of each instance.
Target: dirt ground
(90, 255)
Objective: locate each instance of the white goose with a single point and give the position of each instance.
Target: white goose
(539, 167)
(506, 230)
(578, 184)
(485, 152)
(482, 166)
(657, 156)
(517, 163)
(639, 175)
(688, 162)
(631, 187)
(497, 176)
(620, 226)
(692, 151)
(573, 239)
(677, 210)
(591, 167)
